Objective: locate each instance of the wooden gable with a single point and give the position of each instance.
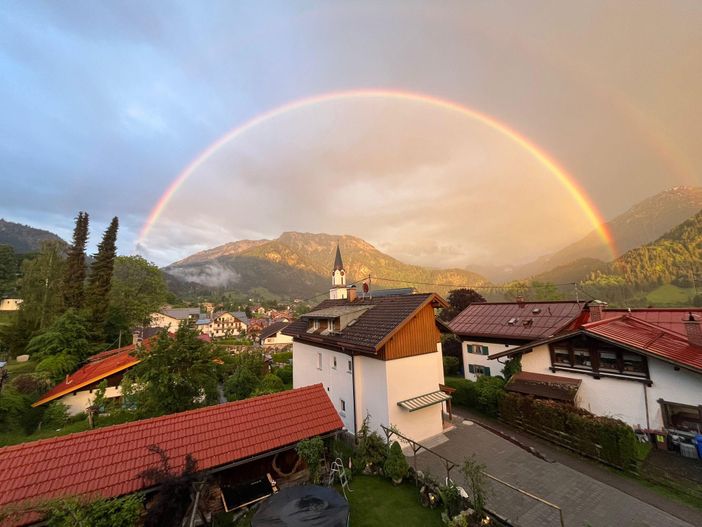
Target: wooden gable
(418, 336)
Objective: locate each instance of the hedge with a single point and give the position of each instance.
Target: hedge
(482, 395)
(603, 438)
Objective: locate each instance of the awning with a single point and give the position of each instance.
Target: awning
(422, 401)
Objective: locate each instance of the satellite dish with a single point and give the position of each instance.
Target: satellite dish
(365, 287)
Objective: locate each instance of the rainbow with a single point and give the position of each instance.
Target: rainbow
(564, 178)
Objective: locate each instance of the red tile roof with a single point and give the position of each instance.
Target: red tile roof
(100, 366)
(649, 338)
(667, 318)
(107, 461)
(532, 320)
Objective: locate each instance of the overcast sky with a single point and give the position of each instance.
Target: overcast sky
(103, 104)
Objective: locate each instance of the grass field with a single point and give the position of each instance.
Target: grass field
(15, 368)
(671, 296)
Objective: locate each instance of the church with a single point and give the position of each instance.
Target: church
(377, 356)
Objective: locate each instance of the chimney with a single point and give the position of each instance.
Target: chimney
(520, 301)
(351, 293)
(693, 329)
(596, 308)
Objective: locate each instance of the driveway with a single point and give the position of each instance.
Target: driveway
(584, 500)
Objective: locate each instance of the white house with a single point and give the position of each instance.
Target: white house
(227, 323)
(376, 357)
(10, 304)
(172, 318)
(273, 335)
(625, 367)
(490, 328)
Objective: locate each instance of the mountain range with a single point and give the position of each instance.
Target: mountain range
(643, 223)
(299, 265)
(23, 238)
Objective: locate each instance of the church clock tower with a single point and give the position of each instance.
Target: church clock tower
(338, 288)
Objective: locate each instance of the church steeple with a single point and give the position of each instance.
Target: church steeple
(338, 288)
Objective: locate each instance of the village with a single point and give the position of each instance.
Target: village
(374, 384)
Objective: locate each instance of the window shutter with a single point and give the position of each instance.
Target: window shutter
(486, 371)
(485, 350)
(471, 368)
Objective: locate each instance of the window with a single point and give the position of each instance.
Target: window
(350, 366)
(608, 361)
(334, 362)
(319, 361)
(561, 356)
(581, 358)
(315, 325)
(479, 370)
(478, 350)
(343, 405)
(633, 363)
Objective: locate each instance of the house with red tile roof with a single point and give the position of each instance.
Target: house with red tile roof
(487, 328)
(242, 439)
(647, 374)
(77, 390)
(377, 357)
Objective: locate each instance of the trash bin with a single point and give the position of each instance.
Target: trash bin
(688, 450)
(698, 440)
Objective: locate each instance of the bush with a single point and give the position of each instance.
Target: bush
(604, 438)
(56, 415)
(451, 365)
(482, 395)
(285, 373)
(396, 466)
(240, 385)
(271, 383)
(372, 449)
(284, 356)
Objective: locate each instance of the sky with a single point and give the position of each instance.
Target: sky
(105, 104)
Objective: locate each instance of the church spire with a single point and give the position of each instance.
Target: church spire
(338, 264)
(338, 288)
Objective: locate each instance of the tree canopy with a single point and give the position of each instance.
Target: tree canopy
(100, 279)
(458, 300)
(76, 270)
(138, 289)
(176, 374)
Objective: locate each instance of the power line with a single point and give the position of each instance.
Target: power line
(458, 286)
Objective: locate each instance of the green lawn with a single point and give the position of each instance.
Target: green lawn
(13, 438)
(376, 501)
(15, 368)
(670, 295)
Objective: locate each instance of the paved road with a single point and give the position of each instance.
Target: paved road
(584, 500)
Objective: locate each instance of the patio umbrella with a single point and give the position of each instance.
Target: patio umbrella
(303, 506)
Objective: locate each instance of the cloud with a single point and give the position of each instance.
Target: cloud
(212, 275)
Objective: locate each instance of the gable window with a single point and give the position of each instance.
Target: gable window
(319, 361)
(350, 367)
(596, 358)
(480, 371)
(343, 406)
(334, 362)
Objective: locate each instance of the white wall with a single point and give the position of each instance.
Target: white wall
(337, 382)
(623, 398)
(159, 320)
(482, 360)
(278, 338)
(410, 377)
(371, 392)
(83, 398)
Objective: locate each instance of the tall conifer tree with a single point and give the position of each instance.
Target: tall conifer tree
(76, 270)
(100, 279)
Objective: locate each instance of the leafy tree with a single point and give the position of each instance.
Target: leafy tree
(138, 289)
(76, 269)
(311, 451)
(8, 269)
(41, 288)
(100, 279)
(176, 374)
(458, 300)
(512, 366)
(77, 512)
(63, 346)
(270, 383)
(697, 300)
(474, 473)
(173, 498)
(241, 384)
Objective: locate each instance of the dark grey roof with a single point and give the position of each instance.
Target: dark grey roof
(181, 313)
(393, 292)
(371, 328)
(274, 328)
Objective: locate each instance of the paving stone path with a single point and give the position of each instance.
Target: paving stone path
(584, 500)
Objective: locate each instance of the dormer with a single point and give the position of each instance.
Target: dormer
(333, 320)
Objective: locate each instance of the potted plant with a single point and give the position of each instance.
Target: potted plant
(396, 466)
